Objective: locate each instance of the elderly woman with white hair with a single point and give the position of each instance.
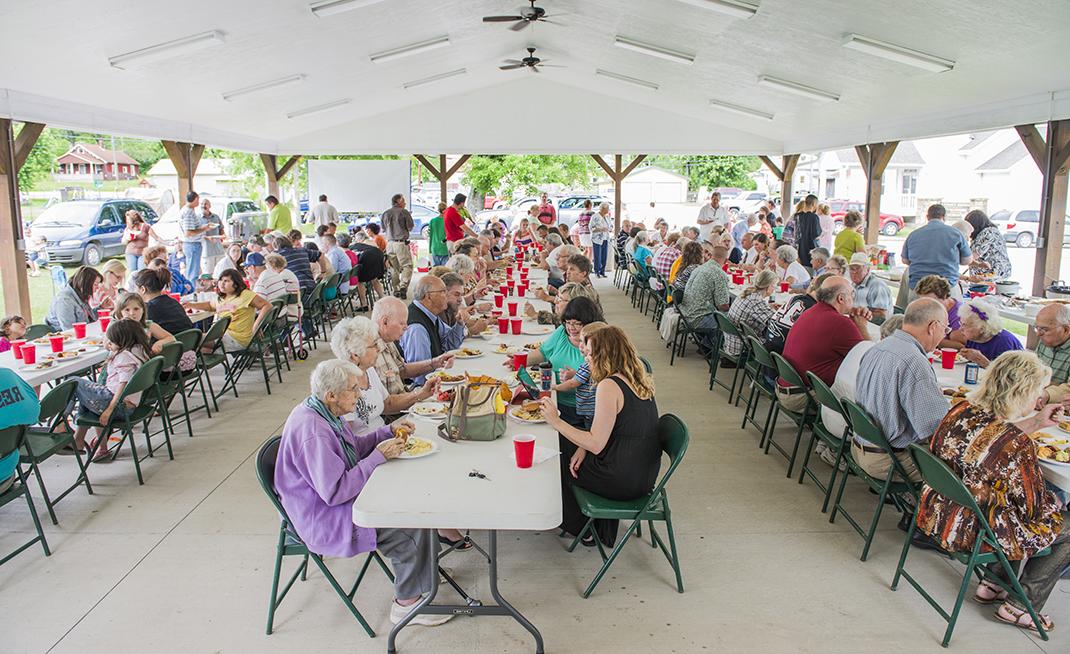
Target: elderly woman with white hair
(789, 269)
(643, 255)
(356, 340)
(463, 265)
(985, 441)
(985, 337)
(323, 466)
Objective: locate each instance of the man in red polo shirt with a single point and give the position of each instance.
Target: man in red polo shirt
(453, 222)
(821, 337)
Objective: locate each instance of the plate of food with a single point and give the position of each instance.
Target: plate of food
(429, 409)
(446, 379)
(528, 413)
(93, 341)
(505, 348)
(1052, 454)
(416, 447)
(40, 365)
(536, 330)
(467, 353)
(533, 345)
(66, 354)
(1064, 426)
(47, 338)
(88, 349)
(955, 394)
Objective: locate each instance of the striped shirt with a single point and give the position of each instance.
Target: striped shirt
(188, 220)
(298, 262)
(664, 259)
(585, 391)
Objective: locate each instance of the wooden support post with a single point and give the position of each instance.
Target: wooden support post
(274, 172)
(185, 157)
(13, 154)
(787, 168)
(617, 173)
(1053, 157)
(441, 172)
(442, 179)
(874, 158)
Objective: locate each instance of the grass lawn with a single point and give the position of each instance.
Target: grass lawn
(106, 185)
(40, 295)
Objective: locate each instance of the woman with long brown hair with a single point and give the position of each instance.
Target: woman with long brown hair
(620, 456)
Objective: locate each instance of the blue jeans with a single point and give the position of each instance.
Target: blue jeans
(600, 252)
(193, 250)
(439, 259)
(133, 263)
(93, 398)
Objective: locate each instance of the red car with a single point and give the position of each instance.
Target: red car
(890, 222)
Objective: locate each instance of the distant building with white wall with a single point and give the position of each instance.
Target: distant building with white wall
(648, 184)
(212, 178)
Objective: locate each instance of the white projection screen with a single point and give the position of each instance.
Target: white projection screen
(358, 185)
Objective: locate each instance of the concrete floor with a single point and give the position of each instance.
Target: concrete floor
(183, 563)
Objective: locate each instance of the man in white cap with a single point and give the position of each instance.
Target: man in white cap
(870, 291)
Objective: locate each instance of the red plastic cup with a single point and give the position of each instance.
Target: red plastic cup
(508, 271)
(737, 278)
(29, 353)
(947, 358)
(784, 286)
(511, 283)
(56, 342)
(497, 313)
(520, 360)
(503, 289)
(521, 290)
(498, 299)
(517, 322)
(524, 448)
(512, 308)
(725, 267)
(104, 322)
(79, 329)
(16, 349)
(503, 325)
(103, 312)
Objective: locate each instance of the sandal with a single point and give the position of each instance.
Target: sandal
(70, 450)
(1014, 616)
(101, 456)
(989, 593)
(459, 544)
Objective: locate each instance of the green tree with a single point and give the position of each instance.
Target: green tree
(41, 161)
(525, 172)
(711, 170)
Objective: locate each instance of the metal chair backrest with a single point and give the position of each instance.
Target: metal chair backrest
(266, 461)
(646, 364)
(942, 479)
(190, 339)
(11, 439)
(824, 395)
(674, 439)
(787, 371)
(171, 353)
(54, 403)
(215, 333)
(863, 426)
(36, 331)
(725, 324)
(761, 355)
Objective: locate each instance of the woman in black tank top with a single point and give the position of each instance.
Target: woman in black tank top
(620, 456)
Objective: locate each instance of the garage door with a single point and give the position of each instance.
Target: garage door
(667, 192)
(637, 192)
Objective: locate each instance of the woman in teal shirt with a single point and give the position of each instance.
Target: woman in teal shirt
(562, 350)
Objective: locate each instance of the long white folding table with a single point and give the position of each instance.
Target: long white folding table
(438, 491)
(60, 368)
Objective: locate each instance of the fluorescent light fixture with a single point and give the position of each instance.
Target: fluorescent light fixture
(167, 50)
(730, 7)
(332, 7)
(798, 89)
(625, 78)
(654, 50)
(411, 49)
(741, 110)
(435, 78)
(264, 86)
(898, 53)
(318, 108)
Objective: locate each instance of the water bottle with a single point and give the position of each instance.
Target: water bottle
(972, 371)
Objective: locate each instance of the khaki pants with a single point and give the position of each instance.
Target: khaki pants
(399, 258)
(792, 401)
(876, 464)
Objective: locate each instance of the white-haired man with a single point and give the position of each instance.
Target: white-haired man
(391, 318)
(870, 292)
(1053, 332)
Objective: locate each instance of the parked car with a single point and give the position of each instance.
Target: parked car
(509, 213)
(1019, 226)
(228, 209)
(569, 207)
(86, 231)
(890, 223)
(746, 202)
(421, 219)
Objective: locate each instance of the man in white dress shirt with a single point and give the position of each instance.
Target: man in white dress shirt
(710, 215)
(324, 213)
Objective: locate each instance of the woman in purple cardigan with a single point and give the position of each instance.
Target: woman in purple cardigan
(321, 469)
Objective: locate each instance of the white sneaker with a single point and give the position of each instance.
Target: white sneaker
(398, 612)
(829, 457)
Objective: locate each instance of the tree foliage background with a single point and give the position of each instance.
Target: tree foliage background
(508, 173)
(711, 170)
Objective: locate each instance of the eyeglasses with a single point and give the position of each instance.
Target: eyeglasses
(573, 324)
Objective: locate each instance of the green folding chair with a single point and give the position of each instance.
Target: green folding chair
(50, 437)
(726, 328)
(290, 544)
(214, 356)
(674, 438)
(254, 353)
(942, 479)
(145, 380)
(895, 483)
(173, 382)
(758, 363)
(802, 419)
(819, 431)
(37, 331)
(11, 439)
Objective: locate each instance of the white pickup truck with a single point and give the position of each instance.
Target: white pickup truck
(236, 213)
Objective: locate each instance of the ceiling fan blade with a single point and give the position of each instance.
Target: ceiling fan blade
(501, 19)
(534, 69)
(551, 22)
(511, 66)
(512, 61)
(552, 65)
(521, 25)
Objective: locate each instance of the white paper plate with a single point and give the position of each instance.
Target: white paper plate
(436, 375)
(434, 448)
(440, 409)
(521, 420)
(537, 330)
(459, 355)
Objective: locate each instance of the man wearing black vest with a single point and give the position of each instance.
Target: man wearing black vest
(422, 339)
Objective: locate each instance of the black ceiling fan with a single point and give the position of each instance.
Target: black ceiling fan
(530, 61)
(525, 16)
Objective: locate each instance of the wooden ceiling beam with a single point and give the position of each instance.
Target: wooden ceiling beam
(772, 167)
